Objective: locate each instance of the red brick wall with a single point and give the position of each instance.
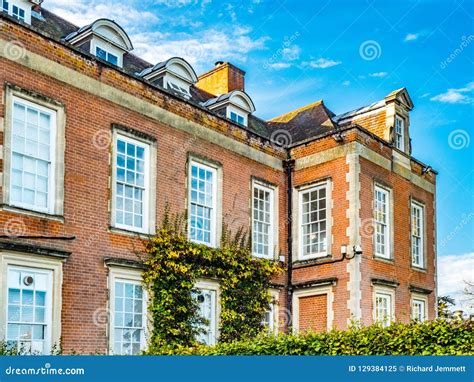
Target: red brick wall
(87, 193)
(399, 269)
(313, 313)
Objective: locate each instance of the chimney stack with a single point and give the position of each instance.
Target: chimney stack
(222, 79)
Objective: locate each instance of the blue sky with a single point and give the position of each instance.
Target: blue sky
(349, 53)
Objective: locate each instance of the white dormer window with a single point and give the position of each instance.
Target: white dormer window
(174, 74)
(19, 9)
(18, 12)
(105, 39)
(399, 133)
(107, 56)
(237, 118)
(237, 105)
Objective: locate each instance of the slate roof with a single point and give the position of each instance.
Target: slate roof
(308, 121)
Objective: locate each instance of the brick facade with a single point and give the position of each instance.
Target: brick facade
(96, 97)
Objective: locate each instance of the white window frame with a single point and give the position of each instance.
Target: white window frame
(148, 214)
(327, 184)
(107, 47)
(388, 223)
(34, 263)
(399, 133)
(57, 143)
(384, 292)
(23, 5)
(311, 292)
(421, 209)
(238, 112)
(52, 155)
(131, 276)
(215, 200)
(417, 299)
(205, 284)
(273, 312)
(273, 232)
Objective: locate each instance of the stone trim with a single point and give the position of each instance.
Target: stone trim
(419, 290)
(385, 282)
(314, 291)
(125, 263)
(35, 250)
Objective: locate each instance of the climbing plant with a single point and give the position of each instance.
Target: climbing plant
(174, 265)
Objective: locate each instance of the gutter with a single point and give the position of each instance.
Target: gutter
(289, 165)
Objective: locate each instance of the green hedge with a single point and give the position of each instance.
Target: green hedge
(429, 338)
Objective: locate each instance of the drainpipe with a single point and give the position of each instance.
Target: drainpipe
(289, 167)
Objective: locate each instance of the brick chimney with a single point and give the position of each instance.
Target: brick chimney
(222, 79)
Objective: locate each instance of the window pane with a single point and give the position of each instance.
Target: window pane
(314, 215)
(202, 203)
(130, 181)
(262, 221)
(27, 307)
(31, 158)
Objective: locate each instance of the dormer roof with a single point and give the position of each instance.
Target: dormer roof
(236, 97)
(106, 29)
(177, 66)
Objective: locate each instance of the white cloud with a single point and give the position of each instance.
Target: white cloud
(346, 83)
(291, 53)
(411, 37)
(322, 63)
(200, 49)
(83, 12)
(453, 271)
(279, 65)
(378, 74)
(461, 95)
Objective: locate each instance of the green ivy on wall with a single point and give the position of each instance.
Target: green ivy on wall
(174, 265)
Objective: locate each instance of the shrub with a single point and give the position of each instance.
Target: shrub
(429, 338)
